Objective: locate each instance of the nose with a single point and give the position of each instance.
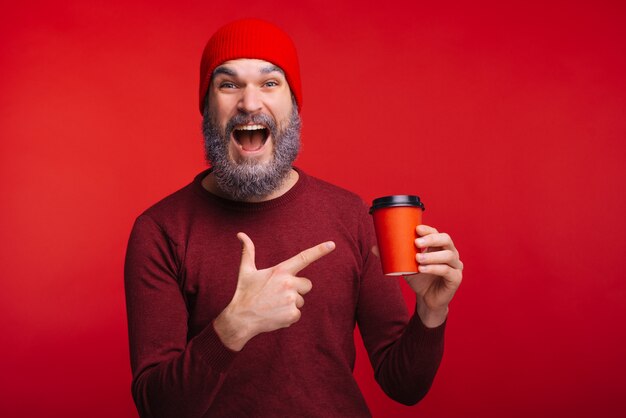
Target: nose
(250, 100)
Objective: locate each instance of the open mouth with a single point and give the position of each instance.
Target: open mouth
(251, 137)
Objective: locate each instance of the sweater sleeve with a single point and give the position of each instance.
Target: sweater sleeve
(405, 355)
(172, 377)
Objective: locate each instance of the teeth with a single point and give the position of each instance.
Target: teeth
(249, 127)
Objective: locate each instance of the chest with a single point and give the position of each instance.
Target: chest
(212, 255)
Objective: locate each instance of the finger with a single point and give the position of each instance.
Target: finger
(440, 239)
(299, 302)
(451, 276)
(448, 257)
(302, 285)
(294, 317)
(247, 253)
(306, 257)
(425, 230)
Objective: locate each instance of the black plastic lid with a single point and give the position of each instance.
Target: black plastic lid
(396, 200)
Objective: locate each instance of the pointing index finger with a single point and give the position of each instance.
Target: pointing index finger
(306, 257)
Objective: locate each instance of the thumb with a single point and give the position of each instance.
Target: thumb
(247, 253)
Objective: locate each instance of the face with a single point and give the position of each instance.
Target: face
(251, 127)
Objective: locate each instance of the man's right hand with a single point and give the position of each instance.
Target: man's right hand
(266, 300)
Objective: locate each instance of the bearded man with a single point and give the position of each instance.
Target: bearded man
(217, 331)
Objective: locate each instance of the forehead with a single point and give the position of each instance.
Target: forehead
(246, 66)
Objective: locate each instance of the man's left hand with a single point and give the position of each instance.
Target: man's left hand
(440, 275)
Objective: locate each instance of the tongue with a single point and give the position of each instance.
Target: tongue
(251, 140)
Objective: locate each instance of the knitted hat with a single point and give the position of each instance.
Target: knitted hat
(255, 39)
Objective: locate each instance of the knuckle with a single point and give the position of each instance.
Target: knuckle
(294, 315)
(304, 258)
(287, 284)
(445, 270)
(456, 278)
(290, 299)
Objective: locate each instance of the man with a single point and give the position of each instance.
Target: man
(262, 324)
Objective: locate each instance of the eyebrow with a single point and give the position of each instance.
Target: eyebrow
(271, 69)
(224, 70)
(230, 72)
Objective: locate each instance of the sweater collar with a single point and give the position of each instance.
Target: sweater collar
(282, 200)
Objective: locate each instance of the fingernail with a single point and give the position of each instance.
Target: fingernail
(330, 245)
(420, 257)
(421, 242)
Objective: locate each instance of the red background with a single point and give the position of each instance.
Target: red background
(508, 120)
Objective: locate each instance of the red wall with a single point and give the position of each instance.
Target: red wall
(508, 121)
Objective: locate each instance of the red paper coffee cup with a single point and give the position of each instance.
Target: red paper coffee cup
(395, 220)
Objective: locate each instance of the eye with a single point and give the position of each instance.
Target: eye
(271, 83)
(227, 85)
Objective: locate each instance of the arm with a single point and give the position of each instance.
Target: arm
(405, 354)
(172, 377)
(176, 378)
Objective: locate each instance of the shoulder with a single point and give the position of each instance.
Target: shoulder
(180, 203)
(336, 196)
(335, 202)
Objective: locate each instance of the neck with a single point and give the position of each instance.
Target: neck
(210, 184)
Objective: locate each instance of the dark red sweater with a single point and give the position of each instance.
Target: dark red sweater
(181, 271)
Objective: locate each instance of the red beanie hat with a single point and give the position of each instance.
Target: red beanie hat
(255, 39)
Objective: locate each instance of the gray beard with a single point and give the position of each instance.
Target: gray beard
(249, 178)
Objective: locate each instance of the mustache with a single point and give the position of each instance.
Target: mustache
(244, 119)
